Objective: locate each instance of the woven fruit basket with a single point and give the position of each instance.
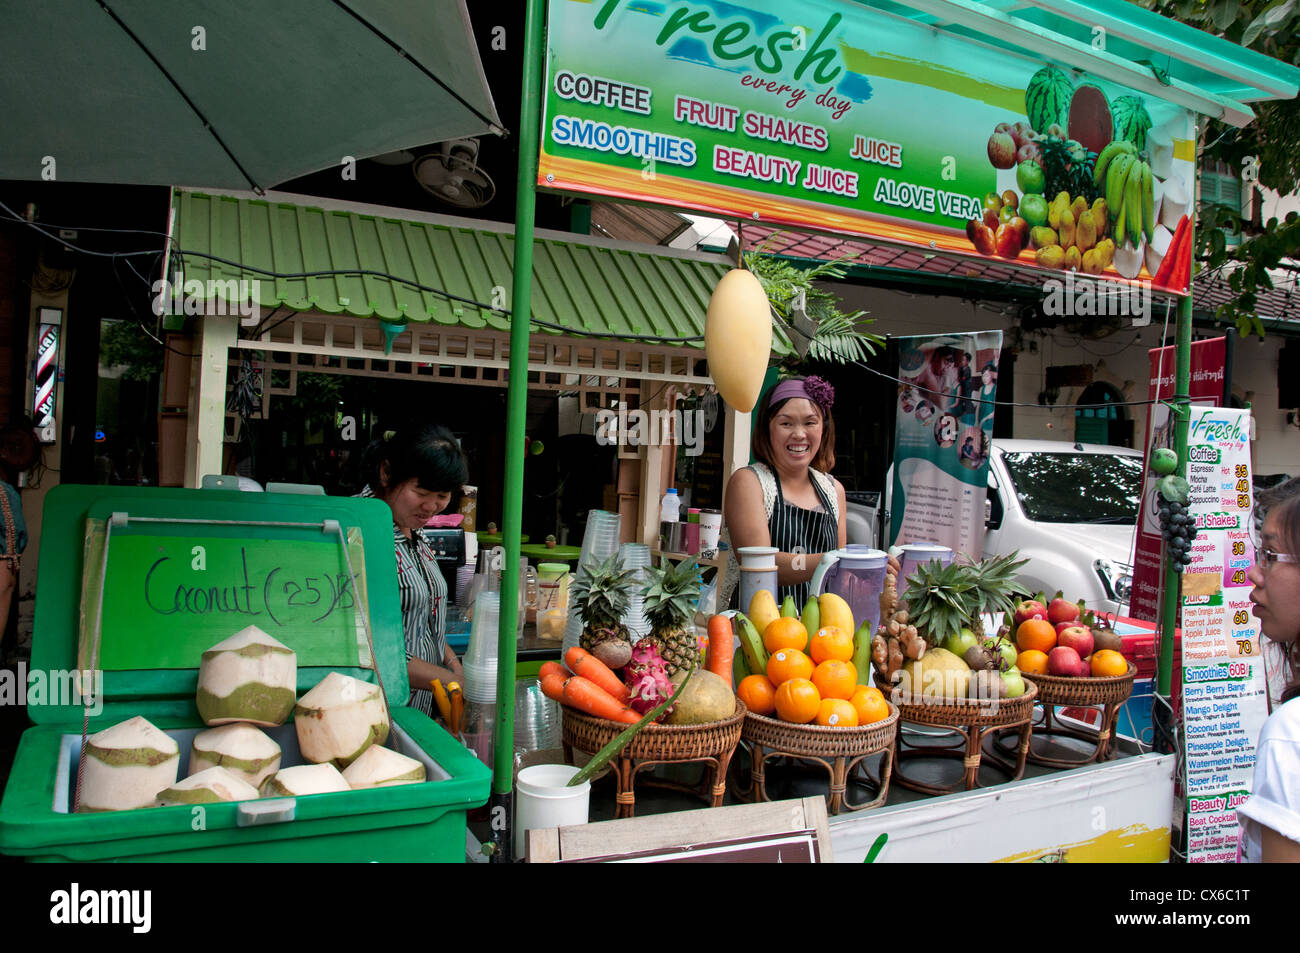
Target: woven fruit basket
(1087, 691)
(951, 712)
(838, 750)
(713, 744)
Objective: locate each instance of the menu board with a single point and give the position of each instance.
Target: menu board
(1224, 704)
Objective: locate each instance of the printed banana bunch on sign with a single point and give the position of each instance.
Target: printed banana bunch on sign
(738, 338)
(1130, 194)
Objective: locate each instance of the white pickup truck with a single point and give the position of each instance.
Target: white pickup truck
(1070, 509)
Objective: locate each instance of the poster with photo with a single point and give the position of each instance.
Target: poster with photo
(943, 438)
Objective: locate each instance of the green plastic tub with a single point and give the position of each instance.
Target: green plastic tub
(282, 575)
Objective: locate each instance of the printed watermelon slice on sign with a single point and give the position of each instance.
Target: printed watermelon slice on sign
(1090, 119)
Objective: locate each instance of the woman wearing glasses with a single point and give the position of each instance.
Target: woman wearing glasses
(1270, 820)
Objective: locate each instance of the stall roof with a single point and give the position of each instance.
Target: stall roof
(311, 254)
(1135, 47)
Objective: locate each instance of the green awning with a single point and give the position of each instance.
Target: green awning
(584, 286)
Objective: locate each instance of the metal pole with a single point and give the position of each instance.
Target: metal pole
(500, 805)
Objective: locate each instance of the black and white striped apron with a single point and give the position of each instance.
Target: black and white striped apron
(794, 529)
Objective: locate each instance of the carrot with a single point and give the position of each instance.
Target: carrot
(553, 686)
(588, 666)
(457, 706)
(721, 647)
(549, 668)
(588, 697)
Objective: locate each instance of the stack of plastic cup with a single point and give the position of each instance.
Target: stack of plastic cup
(538, 722)
(598, 543)
(636, 556)
(480, 662)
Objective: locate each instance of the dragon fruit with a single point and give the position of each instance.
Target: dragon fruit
(646, 677)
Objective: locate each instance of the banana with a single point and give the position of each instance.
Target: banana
(788, 610)
(1148, 204)
(1115, 177)
(1121, 219)
(862, 652)
(763, 610)
(751, 643)
(443, 701)
(811, 617)
(835, 612)
(1108, 154)
(1133, 203)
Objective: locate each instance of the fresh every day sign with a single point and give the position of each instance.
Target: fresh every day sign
(826, 115)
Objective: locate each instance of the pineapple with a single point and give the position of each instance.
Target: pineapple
(603, 594)
(942, 599)
(670, 600)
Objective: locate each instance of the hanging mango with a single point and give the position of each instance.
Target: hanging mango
(738, 338)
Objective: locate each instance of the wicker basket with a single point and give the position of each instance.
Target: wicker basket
(1079, 692)
(950, 712)
(656, 742)
(817, 741)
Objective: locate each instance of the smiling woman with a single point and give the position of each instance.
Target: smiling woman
(419, 473)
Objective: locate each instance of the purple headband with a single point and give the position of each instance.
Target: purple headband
(812, 388)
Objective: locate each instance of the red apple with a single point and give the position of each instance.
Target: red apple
(1077, 637)
(1029, 609)
(1002, 150)
(1022, 132)
(1029, 152)
(1064, 660)
(1003, 127)
(1062, 610)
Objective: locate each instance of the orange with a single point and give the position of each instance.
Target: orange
(787, 664)
(758, 694)
(1108, 662)
(1036, 634)
(797, 701)
(1032, 662)
(831, 642)
(837, 713)
(785, 632)
(835, 679)
(869, 702)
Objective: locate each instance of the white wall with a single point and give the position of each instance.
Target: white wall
(1119, 359)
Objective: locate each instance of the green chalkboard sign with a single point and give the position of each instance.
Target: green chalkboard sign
(173, 589)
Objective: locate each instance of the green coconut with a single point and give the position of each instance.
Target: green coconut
(249, 677)
(125, 766)
(339, 719)
(304, 779)
(380, 767)
(210, 786)
(244, 750)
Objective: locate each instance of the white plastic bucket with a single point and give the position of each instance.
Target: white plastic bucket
(543, 799)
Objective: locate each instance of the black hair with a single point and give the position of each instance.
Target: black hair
(429, 453)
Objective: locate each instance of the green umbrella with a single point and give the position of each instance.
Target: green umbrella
(230, 93)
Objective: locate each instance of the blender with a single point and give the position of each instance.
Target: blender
(857, 575)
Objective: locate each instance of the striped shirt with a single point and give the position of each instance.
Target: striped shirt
(423, 594)
(794, 529)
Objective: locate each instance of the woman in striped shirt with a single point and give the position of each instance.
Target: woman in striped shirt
(418, 473)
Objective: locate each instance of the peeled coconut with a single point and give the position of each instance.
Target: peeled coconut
(1157, 248)
(248, 677)
(127, 765)
(207, 787)
(245, 751)
(304, 779)
(706, 698)
(1128, 260)
(938, 673)
(380, 767)
(339, 719)
(1174, 204)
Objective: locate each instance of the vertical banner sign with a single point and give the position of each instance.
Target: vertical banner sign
(1205, 387)
(1224, 704)
(47, 369)
(942, 441)
(835, 116)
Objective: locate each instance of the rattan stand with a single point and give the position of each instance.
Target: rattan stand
(712, 744)
(1106, 694)
(839, 750)
(971, 720)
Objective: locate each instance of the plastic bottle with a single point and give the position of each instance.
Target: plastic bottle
(670, 507)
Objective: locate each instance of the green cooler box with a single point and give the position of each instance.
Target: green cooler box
(136, 583)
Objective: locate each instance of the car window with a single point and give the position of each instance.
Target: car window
(1076, 487)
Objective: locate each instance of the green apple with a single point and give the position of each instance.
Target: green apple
(1163, 461)
(1005, 649)
(1033, 209)
(1014, 683)
(1030, 178)
(959, 642)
